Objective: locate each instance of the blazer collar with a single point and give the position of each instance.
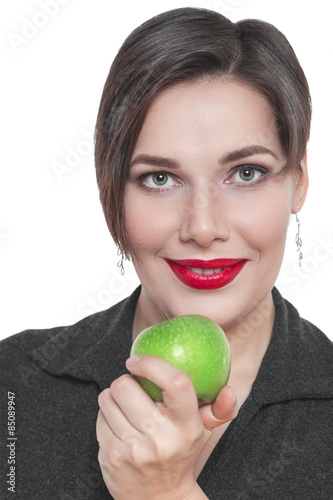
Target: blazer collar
(94, 349)
(298, 362)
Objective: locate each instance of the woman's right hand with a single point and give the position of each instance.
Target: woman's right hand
(149, 450)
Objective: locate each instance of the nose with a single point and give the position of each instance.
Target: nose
(203, 219)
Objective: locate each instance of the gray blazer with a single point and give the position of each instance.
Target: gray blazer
(280, 446)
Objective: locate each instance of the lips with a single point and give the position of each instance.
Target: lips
(206, 274)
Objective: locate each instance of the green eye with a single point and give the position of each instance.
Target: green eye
(160, 179)
(247, 174)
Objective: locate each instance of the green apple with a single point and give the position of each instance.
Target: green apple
(194, 344)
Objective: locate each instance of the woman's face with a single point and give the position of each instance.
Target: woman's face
(203, 188)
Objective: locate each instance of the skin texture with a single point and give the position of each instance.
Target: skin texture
(204, 210)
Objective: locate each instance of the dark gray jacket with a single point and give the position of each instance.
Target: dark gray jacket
(279, 447)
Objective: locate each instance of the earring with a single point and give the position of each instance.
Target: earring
(120, 262)
(298, 241)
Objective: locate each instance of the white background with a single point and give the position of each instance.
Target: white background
(57, 259)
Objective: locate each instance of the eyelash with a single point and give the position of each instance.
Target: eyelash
(234, 171)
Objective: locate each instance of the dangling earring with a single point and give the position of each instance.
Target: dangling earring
(120, 262)
(298, 241)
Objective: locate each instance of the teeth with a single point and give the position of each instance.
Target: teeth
(208, 271)
(198, 270)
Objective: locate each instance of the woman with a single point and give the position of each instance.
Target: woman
(201, 159)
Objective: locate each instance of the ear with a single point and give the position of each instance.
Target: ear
(302, 184)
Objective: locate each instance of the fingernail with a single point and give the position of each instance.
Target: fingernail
(132, 360)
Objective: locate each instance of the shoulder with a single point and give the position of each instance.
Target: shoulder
(298, 364)
(297, 330)
(80, 335)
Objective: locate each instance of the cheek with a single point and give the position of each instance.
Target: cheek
(148, 226)
(267, 225)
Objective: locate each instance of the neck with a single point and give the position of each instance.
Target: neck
(250, 338)
(145, 316)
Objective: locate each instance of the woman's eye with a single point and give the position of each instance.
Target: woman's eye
(157, 180)
(247, 174)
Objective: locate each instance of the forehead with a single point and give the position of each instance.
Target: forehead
(213, 114)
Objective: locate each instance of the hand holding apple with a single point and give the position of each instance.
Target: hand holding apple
(150, 450)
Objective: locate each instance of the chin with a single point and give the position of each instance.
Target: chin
(210, 304)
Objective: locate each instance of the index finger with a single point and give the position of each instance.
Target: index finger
(177, 389)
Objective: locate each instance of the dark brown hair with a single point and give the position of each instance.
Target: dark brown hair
(183, 45)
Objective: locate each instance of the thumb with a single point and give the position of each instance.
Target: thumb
(222, 410)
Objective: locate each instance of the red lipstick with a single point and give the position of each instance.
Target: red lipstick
(225, 271)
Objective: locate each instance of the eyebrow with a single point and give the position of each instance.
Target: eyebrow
(156, 161)
(239, 154)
